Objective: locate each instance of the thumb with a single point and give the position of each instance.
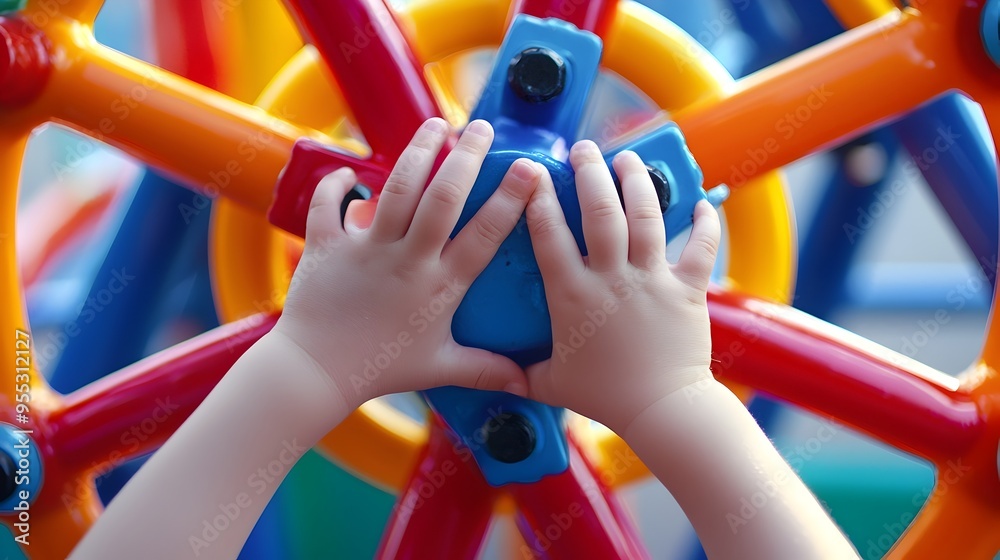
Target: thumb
(481, 369)
(698, 257)
(360, 214)
(540, 383)
(323, 220)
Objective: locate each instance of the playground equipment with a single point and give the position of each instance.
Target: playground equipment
(821, 94)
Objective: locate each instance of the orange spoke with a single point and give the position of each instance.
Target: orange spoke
(954, 518)
(14, 326)
(813, 99)
(60, 517)
(215, 144)
(40, 11)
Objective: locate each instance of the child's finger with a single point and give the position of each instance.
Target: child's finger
(323, 220)
(481, 369)
(555, 248)
(541, 386)
(604, 227)
(442, 202)
(359, 216)
(402, 189)
(471, 250)
(647, 237)
(695, 264)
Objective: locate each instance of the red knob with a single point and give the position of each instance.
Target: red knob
(24, 61)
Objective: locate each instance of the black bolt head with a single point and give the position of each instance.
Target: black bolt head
(510, 438)
(660, 183)
(537, 74)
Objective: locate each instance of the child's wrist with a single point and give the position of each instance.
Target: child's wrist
(677, 398)
(306, 369)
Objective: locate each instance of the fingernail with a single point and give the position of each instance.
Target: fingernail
(479, 127)
(344, 173)
(524, 171)
(627, 154)
(435, 125)
(516, 388)
(586, 146)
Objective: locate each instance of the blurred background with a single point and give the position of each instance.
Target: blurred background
(885, 252)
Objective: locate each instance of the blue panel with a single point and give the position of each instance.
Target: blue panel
(505, 309)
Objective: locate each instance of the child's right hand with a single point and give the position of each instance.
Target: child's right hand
(628, 327)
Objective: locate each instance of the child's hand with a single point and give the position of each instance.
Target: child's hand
(373, 305)
(628, 327)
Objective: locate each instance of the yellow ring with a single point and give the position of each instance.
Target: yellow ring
(251, 262)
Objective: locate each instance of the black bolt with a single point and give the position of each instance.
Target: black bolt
(662, 186)
(510, 438)
(660, 183)
(537, 74)
(7, 468)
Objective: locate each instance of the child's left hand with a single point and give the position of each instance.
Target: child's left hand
(373, 305)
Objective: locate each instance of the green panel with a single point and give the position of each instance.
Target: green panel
(9, 549)
(873, 499)
(8, 6)
(331, 513)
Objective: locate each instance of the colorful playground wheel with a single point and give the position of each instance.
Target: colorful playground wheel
(248, 284)
(53, 70)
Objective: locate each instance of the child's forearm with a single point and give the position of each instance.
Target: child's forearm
(743, 499)
(202, 492)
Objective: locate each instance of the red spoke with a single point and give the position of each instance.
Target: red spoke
(133, 411)
(593, 15)
(572, 515)
(183, 42)
(380, 77)
(800, 359)
(446, 506)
